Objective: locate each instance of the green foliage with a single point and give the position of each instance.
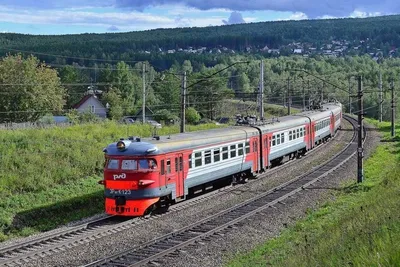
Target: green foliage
(30, 89)
(76, 117)
(192, 116)
(71, 76)
(361, 228)
(382, 32)
(114, 100)
(49, 176)
(165, 115)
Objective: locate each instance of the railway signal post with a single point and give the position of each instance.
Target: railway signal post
(360, 149)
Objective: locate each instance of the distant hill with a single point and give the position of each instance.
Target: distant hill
(381, 32)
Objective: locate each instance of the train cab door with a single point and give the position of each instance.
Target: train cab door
(256, 154)
(180, 176)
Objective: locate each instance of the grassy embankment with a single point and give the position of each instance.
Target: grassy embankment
(48, 177)
(360, 228)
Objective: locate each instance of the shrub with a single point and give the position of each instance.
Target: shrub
(192, 116)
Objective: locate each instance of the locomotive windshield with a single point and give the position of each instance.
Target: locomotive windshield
(132, 164)
(113, 164)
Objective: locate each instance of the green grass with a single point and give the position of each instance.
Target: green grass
(48, 177)
(360, 228)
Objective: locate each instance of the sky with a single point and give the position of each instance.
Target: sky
(99, 16)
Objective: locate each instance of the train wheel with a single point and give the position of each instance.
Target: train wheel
(163, 205)
(149, 211)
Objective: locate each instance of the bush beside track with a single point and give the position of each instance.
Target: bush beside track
(360, 228)
(49, 177)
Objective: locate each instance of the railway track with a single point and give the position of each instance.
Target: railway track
(169, 245)
(46, 245)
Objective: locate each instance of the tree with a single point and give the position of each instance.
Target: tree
(192, 116)
(31, 89)
(114, 100)
(128, 84)
(70, 76)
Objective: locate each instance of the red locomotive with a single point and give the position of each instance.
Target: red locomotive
(141, 175)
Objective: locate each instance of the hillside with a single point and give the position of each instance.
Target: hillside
(379, 32)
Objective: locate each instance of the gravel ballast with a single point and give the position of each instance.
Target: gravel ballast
(251, 233)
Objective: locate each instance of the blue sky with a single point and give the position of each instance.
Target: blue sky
(73, 16)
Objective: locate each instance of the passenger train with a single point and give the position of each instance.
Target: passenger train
(143, 174)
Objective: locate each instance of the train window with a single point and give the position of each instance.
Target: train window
(113, 164)
(247, 145)
(225, 152)
(233, 151)
(152, 164)
(278, 140)
(144, 164)
(129, 164)
(282, 138)
(290, 135)
(162, 167)
(198, 159)
(176, 165)
(297, 133)
(168, 166)
(240, 148)
(190, 161)
(216, 155)
(180, 163)
(273, 140)
(207, 157)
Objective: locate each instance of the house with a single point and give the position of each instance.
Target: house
(298, 51)
(92, 104)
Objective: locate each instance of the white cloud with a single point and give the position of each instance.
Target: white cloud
(295, 16)
(120, 20)
(123, 21)
(363, 14)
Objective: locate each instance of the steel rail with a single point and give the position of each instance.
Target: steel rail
(165, 245)
(56, 242)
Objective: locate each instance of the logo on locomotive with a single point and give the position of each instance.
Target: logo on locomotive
(119, 176)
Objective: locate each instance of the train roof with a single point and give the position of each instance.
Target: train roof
(198, 139)
(176, 142)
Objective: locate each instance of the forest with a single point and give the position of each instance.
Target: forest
(85, 49)
(42, 89)
(42, 75)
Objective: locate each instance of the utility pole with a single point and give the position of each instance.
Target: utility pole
(262, 91)
(322, 92)
(304, 95)
(289, 100)
(393, 109)
(309, 96)
(380, 96)
(183, 102)
(144, 93)
(360, 148)
(350, 95)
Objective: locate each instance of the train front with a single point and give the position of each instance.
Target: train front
(131, 178)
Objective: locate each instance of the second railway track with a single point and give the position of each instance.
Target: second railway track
(167, 245)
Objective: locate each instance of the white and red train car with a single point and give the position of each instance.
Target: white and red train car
(140, 175)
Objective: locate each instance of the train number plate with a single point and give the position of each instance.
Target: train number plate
(120, 192)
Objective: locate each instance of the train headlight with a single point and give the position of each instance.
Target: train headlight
(121, 145)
